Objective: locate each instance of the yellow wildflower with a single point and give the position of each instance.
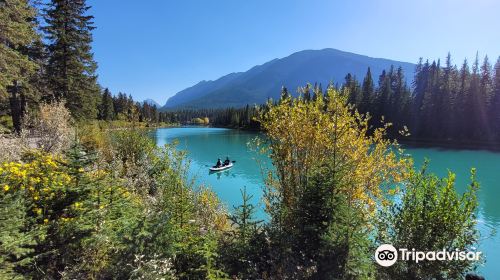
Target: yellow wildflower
(45, 221)
(6, 187)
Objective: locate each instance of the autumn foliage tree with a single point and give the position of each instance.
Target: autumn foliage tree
(309, 139)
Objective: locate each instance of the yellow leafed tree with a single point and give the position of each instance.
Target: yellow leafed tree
(305, 135)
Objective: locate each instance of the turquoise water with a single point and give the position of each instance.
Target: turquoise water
(205, 145)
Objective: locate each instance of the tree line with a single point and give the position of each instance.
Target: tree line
(46, 57)
(443, 102)
(244, 118)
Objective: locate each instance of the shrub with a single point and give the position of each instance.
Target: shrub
(329, 169)
(431, 216)
(50, 130)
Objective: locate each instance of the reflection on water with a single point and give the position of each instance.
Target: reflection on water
(205, 145)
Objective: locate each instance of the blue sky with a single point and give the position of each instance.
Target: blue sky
(154, 48)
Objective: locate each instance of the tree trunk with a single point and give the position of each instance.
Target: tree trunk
(17, 107)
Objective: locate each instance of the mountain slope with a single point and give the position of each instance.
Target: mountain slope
(265, 81)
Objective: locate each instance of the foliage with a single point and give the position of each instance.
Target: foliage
(325, 160)
(51, 129)
(239, 252)
(6, 124)
(18, 63)
(431, 216)
(18, 31)
(153, 269)
(229, 117)
(79, 217)
(70, 69)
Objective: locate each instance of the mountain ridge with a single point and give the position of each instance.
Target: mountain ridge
(264, 81)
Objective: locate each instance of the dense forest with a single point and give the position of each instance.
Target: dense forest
(81, 201)
(444, 103)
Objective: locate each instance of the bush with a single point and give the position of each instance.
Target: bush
(50, 130)
(431, 216)
(326, 185)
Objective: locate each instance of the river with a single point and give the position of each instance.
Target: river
(205, 145)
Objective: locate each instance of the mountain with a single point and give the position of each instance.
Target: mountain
(264, 81)
(151, 102)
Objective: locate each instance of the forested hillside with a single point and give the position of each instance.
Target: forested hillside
(264, 81)
(444, 103)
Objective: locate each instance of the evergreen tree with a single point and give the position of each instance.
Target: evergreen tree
(463, 110)
(475, 103)
(284, 93)
(448, 91)
(18, 34)
(495, 102)
(485, 93)
(384, 94)
(367, 92)
(430, 101)
(353, 89)
(71, 66)
(106, 110)
(401, 97)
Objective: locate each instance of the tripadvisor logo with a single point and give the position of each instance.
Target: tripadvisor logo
(386, 255)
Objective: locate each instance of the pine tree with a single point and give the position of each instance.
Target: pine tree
(384, 94)
(495, 102)
(464, 109)
(430, 103)
(71, 66)
(485, 93)
(475, 103)
(401, 97)
(448, 92)
(367, 93)
(18, 34)
(419, 82)
(107, 111)
(353, 89)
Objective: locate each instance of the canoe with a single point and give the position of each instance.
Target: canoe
(223, 167)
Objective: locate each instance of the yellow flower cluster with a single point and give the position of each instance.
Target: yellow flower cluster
(44, 178)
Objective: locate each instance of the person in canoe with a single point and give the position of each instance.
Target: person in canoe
(219, 163)
(227, 161)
